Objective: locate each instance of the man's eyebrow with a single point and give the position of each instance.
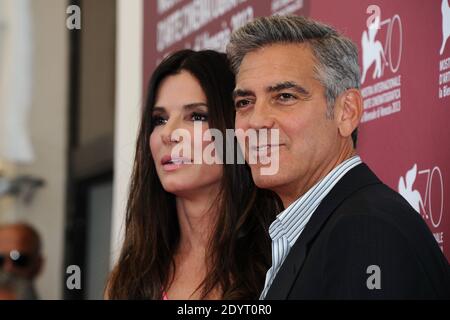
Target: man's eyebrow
(242, 93)
(288, 85)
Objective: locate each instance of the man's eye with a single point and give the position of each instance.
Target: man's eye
(199, 117)
(158, 120)
(286, 97)
(241, 103)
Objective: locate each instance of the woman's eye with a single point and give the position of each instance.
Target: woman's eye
(158, 120)
(199, 117)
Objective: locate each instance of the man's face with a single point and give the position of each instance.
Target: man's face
(276, 88)
(18, 253)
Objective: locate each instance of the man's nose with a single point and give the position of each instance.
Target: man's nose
(261, 117)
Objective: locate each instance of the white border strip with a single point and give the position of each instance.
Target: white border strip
(129, 68)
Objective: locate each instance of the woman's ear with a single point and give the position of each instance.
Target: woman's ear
(349, 112)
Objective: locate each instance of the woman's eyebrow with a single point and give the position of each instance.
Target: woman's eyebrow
(194, 105)
(189, 106)
(158, 109)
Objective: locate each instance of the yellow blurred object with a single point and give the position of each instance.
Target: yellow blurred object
(6, 203)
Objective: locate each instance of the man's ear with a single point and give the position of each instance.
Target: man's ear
(349, 113)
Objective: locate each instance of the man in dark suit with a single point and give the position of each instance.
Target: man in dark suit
(343, 234)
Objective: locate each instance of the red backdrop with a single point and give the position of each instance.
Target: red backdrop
(406, 88)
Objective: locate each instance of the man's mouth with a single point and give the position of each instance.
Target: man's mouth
(265, 147)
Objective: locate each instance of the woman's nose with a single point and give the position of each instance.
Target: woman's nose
(168, 134)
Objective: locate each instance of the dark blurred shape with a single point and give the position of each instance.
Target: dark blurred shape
(13, 287)
(23, 186)
(20, 256)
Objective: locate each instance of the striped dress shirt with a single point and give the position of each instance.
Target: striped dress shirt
(289, 224)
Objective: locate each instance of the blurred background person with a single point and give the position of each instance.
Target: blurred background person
(20, 255)
(13, 287)
(8, 286)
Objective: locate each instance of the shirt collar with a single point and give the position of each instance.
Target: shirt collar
(316, 194)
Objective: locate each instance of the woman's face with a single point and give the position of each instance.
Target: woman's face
(180, 103)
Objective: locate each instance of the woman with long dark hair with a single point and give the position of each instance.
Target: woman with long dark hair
(193, 230)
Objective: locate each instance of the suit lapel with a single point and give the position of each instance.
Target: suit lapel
(357, 178)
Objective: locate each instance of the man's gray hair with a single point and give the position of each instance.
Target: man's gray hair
(337, 56)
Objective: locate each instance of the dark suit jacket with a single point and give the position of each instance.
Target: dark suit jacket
(360, 223)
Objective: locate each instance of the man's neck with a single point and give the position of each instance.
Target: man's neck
(295, 190)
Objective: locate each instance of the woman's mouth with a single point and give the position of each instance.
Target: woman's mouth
(172, 163)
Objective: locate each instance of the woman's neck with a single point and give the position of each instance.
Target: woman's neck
(196, 217)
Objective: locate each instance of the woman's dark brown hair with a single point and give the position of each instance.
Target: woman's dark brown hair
(238, 255)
